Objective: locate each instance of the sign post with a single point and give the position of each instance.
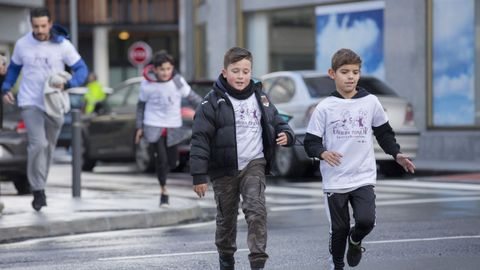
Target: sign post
(139, 54)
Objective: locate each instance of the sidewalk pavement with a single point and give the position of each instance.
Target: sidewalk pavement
(95, 211)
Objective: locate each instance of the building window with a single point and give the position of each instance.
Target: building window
(454, 91)
(292, 39)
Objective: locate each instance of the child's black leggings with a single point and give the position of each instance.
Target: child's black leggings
(362, 201)
(165, 159)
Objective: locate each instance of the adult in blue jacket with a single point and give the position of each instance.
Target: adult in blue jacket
(41, 55)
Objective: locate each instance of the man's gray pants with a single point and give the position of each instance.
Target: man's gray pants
(250, 184)
(42, 133)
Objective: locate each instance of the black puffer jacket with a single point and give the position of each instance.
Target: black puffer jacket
(213, 148)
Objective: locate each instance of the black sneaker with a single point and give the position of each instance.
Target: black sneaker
(354, 253)
(39, 200)
(227, 262)
(164, 200)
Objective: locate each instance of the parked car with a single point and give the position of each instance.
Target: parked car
(109, 133)
(76, 102)
(13, 149)
(297, 93)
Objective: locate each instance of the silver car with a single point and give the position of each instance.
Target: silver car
(298, 92)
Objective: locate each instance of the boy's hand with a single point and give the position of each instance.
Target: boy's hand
(332, 158)
(200, 189)
(406, 163)
(282, 138)
(138, 135)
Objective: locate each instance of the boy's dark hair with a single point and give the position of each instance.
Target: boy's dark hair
(40, 12)
(236, 54)
(161, 57)
(345, 57)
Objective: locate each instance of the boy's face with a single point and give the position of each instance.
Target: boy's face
(41, 28)
(164, 71)
(238, 74)
(346, 78)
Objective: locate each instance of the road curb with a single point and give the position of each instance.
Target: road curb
(110, 222)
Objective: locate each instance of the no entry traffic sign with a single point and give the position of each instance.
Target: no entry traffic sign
(139, 54)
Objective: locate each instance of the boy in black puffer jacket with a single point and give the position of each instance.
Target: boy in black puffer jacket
(235, 132)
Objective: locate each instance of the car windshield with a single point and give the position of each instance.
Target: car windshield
(322, 86)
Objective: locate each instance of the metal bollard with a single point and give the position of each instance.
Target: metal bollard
(77, 152)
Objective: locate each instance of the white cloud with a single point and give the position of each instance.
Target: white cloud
(450, 16)
(454, 34)
(461, 85)
(359, 37)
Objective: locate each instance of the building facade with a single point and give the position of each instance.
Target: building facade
(422, 48)
(106, 29)
(14, 21)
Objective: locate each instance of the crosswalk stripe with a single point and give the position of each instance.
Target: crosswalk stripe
(378, 203)
(436, 185)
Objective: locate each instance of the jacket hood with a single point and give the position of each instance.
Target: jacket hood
(59, 33)
(361, 92)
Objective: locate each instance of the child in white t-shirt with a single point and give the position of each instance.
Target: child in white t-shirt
(340, 134)
(159, 115)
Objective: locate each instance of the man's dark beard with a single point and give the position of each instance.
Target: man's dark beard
(36, 36)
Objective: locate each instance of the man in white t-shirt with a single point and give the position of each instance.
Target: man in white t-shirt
(41, 54)
(340, 134)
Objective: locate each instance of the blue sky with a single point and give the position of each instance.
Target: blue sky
(357, 26)
(453, 62)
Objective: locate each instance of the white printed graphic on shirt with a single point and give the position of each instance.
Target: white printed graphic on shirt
(351, 125)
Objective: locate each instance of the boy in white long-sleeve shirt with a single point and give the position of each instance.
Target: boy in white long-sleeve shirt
(340, 134)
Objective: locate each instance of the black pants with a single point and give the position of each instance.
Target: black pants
(165, 159)
(362, 201)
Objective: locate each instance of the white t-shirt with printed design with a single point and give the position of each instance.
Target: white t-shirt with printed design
(163, 101)
(248, 130)
(40, 59)
(345, 125)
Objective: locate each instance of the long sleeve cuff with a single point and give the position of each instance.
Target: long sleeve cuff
(200, 179)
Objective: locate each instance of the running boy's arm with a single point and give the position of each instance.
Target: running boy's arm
(139, 120)
(386, 139)
(203, 132)
(194, 99)
(187, 92)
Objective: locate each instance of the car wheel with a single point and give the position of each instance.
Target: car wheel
(391, 169)
(144, 157)
(22, 185)
(87, 163)
(286, 163)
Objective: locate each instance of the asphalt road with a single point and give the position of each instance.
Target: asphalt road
(420, 225)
